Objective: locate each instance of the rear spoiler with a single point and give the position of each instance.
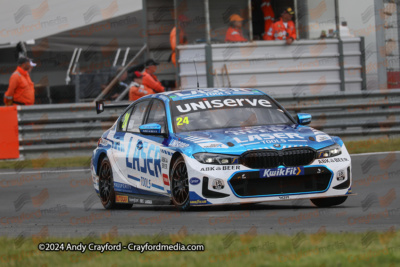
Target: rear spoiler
(100, 106)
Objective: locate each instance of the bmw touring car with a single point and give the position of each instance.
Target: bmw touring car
(216, 147)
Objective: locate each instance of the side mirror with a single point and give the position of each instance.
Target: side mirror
(150, 129)
(304, 118)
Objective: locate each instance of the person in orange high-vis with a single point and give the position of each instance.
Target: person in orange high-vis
(283, 29)
(137, 89)
(21, 90)
(182, 36)
(234, 32)
(269, 16)
(149, 79)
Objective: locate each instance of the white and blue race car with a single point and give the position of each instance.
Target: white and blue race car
(216, 147)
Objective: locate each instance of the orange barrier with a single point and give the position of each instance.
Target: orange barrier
(9, 143)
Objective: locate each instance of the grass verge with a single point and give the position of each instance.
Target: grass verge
(320, 249)
(354, 147)
(46, 163)
(383, 144)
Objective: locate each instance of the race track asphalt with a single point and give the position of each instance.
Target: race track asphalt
(62, 202)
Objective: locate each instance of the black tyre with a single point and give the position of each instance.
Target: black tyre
(180, 185)
(328, 202)
(106, 187)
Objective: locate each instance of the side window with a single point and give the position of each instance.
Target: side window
(136, 119)
(157, 115)
(123, 123)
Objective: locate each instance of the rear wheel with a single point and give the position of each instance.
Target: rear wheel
(328, 202)
(180, 185)
(106, 187)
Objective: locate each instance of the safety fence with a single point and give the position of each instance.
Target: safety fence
(65, 130)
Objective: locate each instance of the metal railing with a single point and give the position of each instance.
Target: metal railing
(74, 129)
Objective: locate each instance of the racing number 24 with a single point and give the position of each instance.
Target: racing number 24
(181, 121)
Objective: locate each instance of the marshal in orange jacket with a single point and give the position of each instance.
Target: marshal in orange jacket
(172, 41)
(278, 31)
(20, 89)
(234, 35)
(269, 16)
(151, 81)
(139, 90)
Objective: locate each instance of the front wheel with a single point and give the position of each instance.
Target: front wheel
(328, 202)
(106, 187)
(180, 185)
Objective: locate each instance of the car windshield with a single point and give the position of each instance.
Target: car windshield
(231, 111)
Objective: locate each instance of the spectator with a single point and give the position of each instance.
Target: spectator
(182, 36)
(137, 89)
(283, 29)
(21, 90)
(344, 30)
(234, 32)
(149, 79)
(269, 16)
(118, 87)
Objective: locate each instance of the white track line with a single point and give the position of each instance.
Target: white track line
(374, 153)
(44, 171)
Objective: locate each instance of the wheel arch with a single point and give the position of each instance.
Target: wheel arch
(101, 157)
(174, 157)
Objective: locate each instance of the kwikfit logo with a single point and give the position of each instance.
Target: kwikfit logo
(281, 172)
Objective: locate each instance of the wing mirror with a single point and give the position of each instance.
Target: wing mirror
(304, 118)
(150, 129)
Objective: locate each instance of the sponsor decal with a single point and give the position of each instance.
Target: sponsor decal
(121, 199)
(140, 201)
(164, 163)
(218, 184)
(145, 182)
(118, 146)
(321, 138)
(213, 145)
(194, 181)
(165, 179)
(221, 168)
(205, 142)
(215, 92)
(340, 176)
(282, 172)
(283, 197)
(223, 103)
(195, 199)
(332, 160)
(146, 159)
(176, 143)
(163, 151)
(271, 138)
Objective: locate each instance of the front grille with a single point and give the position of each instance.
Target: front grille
(281, 185)
(264, 159)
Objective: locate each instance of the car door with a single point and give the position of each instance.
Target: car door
(151, 173)
(126, 147)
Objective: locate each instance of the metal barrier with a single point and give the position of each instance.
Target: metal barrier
(305, 67)
(74, 129)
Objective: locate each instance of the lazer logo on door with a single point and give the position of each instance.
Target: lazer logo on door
(144, 157)
(282, 172)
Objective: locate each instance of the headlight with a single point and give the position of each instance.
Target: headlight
(330, 151)
(216, 159)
